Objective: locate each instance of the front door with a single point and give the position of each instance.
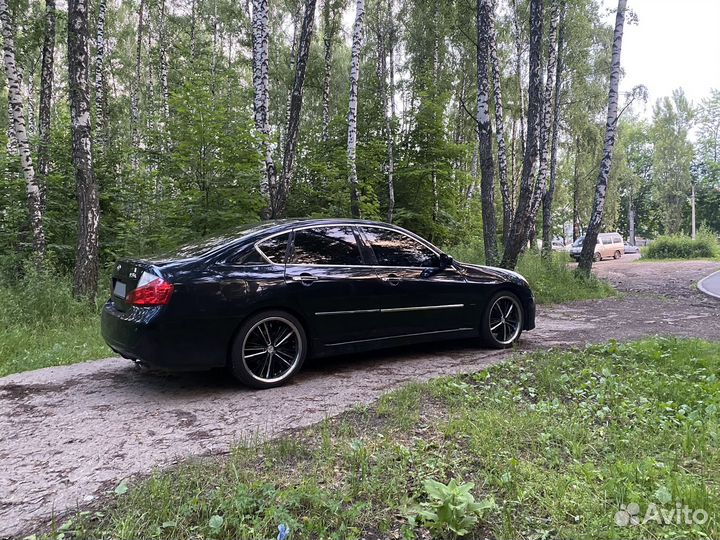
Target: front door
(331, 284)
(418, 296)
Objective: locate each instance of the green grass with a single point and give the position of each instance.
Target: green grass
(678, 247)
(552, 282)
(43, 325)
(559, 440)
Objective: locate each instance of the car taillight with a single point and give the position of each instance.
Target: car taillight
(151, 290)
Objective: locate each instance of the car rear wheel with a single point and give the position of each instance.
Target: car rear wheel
(617, 255)
(597, 257)
(269, 349)
(502, 321)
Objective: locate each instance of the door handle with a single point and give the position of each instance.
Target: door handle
(305, 279)
(392, 279)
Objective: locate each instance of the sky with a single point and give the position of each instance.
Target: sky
(674, 43)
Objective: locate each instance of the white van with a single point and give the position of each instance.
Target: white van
(608, 245)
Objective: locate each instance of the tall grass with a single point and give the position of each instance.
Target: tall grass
(43, 325)
(705, 246)
(552, 280)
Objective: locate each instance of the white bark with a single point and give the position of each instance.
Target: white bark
(593, 229)
(261, 85)
(546, 116)
(100, 108)
(87, 251)
(135, 90)
(164, 64)
(353, 106)
(500, 127)
(34, 197)
(487, 167)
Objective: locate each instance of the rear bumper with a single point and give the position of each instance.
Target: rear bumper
(145, 335)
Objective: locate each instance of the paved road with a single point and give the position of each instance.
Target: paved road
(711, 285)
(69, 434)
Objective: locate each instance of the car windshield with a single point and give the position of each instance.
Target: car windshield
(579, 241)
(208, 244)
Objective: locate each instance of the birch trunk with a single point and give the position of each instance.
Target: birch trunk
(329, 19)
(164, 64)
(46, 90)
(34, 197)
(296, 99)
(384, 35)
(261, 104)
(588, 250)
(547, 201)
(100, 101)
(135, 97)
(86, 254)
(353, 106)
(520, 229)
(499, 125)
(487, 167)
(546, 118)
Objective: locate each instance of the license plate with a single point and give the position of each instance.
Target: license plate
(120, 289)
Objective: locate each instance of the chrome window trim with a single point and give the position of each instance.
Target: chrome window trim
(417, 239)
(399, 336)
(328, 226)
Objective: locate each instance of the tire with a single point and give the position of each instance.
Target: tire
(597, 257)
(617, 255)
(494, 321)
(268, 350)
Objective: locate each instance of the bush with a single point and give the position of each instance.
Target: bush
(705, 246)
(551, 281)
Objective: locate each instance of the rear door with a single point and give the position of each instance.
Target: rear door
(417, 296)
(330, 282)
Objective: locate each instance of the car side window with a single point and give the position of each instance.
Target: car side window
(326, 245)
(393, 248)
(275, 248)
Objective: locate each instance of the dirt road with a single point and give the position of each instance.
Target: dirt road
(68, 434)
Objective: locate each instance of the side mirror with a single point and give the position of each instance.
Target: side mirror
(445, 260)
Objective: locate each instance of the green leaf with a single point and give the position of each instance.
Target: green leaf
(121, 488)
(663, 495)
(216, 522)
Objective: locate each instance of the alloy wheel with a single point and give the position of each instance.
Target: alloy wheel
(505, 320)
(272, 349)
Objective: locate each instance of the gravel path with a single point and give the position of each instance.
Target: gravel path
(68, 434)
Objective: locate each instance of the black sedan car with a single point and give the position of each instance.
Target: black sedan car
(262, 299)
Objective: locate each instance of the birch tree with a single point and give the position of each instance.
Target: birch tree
(385, 34)
(546, 118)
(46, 91)
(135, 89)
(261, 103)
(296, 99)
(86, 253)
(588, 250)
(520, 229)
(34, 197)
(487, 167)
(164, 63)
(547, 201)
(499, 124)
(353, 107)
(330, 26)
(100, 99)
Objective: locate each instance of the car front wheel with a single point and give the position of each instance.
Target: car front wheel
(268, 350)
(502, 321)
